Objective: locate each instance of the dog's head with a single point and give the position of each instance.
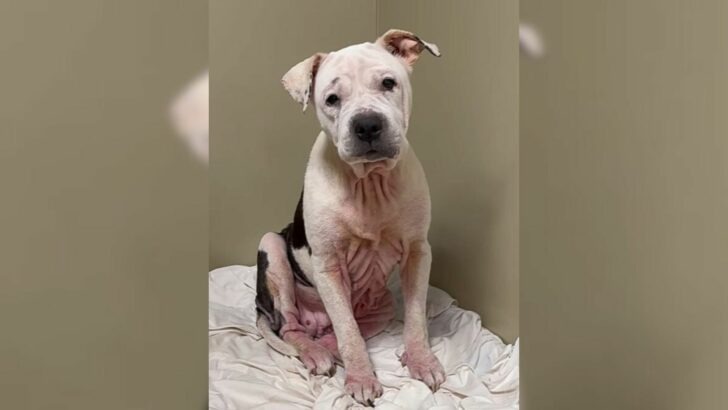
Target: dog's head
(362, 95)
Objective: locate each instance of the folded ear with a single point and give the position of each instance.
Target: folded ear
(406, 45)
(299, 80)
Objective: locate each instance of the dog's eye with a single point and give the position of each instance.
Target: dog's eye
(333, 99)
(388, 83)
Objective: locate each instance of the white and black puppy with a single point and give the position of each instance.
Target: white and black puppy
(364, 211)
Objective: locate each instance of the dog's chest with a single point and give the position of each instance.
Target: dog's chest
(367, 265)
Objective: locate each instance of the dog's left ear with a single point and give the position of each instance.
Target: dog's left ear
(299, 80)
(406, 45)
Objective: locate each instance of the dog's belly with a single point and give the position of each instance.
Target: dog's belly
(365, 271)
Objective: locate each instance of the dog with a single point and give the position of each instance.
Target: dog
(364, 212)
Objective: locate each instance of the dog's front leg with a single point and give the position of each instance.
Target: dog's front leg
(418, 357)
(360, 381)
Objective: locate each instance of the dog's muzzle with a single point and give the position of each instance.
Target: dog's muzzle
(372, 142)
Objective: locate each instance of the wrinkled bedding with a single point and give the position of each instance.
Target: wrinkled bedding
(244, 373)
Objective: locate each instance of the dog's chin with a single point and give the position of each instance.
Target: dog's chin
(363, 168)
(370, 161)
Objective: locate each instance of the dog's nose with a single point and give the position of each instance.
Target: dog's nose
(367, 126)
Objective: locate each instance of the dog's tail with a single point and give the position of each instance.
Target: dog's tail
(272, 338)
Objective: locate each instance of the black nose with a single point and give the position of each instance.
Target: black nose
(367, 126)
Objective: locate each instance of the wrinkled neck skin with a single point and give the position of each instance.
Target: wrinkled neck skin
(372, 200)
(372, 185)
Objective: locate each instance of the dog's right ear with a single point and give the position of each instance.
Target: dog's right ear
(406, 46)
(299, 80)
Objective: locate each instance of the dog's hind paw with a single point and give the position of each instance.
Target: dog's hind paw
(317, 359)
(424, 366)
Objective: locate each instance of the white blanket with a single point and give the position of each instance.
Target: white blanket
(482, 372)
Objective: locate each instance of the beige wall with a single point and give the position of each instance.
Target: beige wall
(103, 213)
(624, 206)
(464, 128)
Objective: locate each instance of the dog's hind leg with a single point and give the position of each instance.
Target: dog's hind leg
(276, 301)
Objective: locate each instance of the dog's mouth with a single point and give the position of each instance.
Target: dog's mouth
(373, 155)
(376, 155)
(373, 159)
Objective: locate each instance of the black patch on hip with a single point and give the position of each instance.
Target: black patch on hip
(263, 300)
(295, 237)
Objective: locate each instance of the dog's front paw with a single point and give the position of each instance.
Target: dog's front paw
(424, 366)
(363, 387)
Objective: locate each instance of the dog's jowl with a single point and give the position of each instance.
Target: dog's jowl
(364, 211)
